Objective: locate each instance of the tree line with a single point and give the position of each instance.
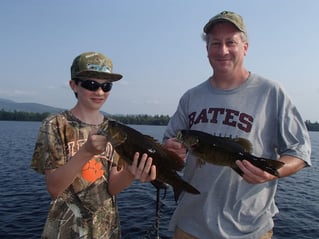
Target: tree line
(312, 126)
(142, 119)
(139, 119)
(22, 116)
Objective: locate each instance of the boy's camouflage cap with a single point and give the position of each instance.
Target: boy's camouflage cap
(228, 16)
(93, 65)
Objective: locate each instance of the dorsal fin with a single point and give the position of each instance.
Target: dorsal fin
(151, 138)
(245, 143)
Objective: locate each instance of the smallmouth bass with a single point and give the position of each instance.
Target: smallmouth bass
(224, 151)
(127, 141)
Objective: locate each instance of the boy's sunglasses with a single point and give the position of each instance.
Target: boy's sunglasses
(92, 85)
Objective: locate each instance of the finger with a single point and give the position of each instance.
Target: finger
(135, 160)
(247, 167)
(146, 171)
(181, 153)
(142, 163)
(240, 165)
(148, 165)
(133, 167)
(153, 173)
(139, 166)
(250, 173)
(149, 172)
(258, 174)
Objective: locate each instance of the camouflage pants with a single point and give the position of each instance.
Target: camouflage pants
(180, 234)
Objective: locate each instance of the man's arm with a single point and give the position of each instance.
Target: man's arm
(255, 175)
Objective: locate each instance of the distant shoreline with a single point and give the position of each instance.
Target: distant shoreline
(139, 119)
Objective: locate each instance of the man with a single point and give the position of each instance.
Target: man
(234, 102)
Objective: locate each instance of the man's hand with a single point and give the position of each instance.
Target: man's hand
(255, 175)
(173, 145)
(252, 174)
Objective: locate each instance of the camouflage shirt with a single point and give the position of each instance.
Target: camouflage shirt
(85, 209)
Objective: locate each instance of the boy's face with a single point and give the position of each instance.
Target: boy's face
(91, 93)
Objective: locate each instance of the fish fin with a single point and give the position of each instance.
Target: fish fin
(189, 188)
(183, 186)
(148, 137)
(245, 143)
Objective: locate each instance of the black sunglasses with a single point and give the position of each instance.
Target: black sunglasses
(92, 85)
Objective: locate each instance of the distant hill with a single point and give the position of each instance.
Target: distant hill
(10, 105)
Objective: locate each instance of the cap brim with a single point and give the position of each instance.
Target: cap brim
(100, 75)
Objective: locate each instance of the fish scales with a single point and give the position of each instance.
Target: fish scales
(224, 151)
(127, 141)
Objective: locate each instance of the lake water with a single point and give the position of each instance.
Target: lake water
(24, 200)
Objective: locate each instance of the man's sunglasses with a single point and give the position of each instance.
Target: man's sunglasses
(92, 85)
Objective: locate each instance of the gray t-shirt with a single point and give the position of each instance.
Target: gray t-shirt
(229, 207)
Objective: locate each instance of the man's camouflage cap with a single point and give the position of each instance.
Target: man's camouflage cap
(93, 65)
(227, 16)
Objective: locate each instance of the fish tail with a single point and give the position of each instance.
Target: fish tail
(269, 165)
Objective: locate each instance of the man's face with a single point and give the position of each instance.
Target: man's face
(225, 48)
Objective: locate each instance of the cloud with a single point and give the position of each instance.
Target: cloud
(64, 85)
(123, 82)
(16, 92)
(153, 102)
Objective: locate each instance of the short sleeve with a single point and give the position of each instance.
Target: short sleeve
(49, 151)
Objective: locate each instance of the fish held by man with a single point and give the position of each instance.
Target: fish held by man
(127, 141)
(224, 151)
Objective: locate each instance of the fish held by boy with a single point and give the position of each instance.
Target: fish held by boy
(224, 151)
(127, 141)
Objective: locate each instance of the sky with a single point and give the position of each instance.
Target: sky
(155, 45)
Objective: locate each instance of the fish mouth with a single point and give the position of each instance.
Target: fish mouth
(116, 137)
(112, 133)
